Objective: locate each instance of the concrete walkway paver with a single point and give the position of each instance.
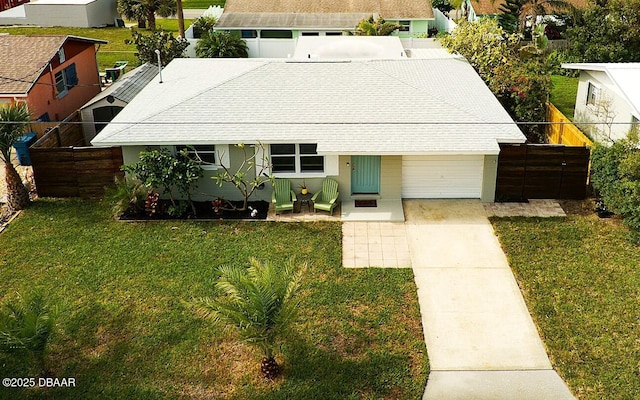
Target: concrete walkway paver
(375, 244)
(481, 340)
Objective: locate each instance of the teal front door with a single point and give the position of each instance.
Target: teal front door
(365, 174)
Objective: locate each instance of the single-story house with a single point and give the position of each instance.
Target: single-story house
(54, 75)
(76, 13)
(609, 96)
(272, 27)
(107, 104)
(384, 129)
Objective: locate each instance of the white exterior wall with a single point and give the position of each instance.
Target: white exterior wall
(86, 116)
(443, 23)
(96, 13)
(621, 111)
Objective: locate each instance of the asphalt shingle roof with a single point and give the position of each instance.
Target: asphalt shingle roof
(408, 106)
(23, 58)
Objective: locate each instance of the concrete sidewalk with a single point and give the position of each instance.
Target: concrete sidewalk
(481, 340)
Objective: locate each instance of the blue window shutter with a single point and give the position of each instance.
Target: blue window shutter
(71, 75)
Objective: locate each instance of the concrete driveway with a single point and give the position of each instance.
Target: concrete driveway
(481, 340)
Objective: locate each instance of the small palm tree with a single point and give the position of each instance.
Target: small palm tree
(260, 301)
(375, 27)
(27, 325)
(13, 120)
(217, 44)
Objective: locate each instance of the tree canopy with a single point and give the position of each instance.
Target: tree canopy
(170, 47)
(145, 10)
(607, 31)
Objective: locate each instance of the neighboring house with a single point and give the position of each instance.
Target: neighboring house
(271, 27)
(384, 129)
(76, 13)
(7, 4)
(608, 95)
(107, 104)
(54, 75)
(488, 8)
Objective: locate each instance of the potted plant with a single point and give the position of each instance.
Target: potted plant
(303, 187)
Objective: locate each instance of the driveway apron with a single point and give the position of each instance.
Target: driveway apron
(481, 340)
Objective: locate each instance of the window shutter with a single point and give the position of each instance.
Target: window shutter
(71, 75)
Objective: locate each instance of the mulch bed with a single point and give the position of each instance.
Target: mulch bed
(256, 210)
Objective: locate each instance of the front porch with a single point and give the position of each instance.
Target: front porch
(383, 211)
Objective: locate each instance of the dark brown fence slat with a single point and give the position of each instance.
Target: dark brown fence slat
(527, 171)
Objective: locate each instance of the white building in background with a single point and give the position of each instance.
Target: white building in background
(608, 99)
(74, 13)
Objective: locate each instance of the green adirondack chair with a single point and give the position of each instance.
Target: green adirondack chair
(326, 199)
(282, 196)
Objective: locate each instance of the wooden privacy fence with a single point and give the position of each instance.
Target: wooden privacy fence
(563, 131)
(529, 171)
(61, 169)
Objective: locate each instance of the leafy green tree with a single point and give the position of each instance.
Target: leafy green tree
(484, 44)
(218, 44)
(146, 10)
(170, 47)
(260, 301)
(27, 326)
(375, 27)
(607, 31)
(165, 172)
(615, 173)
(521, 84)
(14, 119)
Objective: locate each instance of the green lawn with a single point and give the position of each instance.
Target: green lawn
(563, 94)
(202, 4)
(116, 50)
(580, 278)
(127, 332)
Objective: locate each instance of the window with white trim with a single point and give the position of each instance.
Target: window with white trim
(593, 93)
(405, 26)
(203, 153)
(296, 158)
(66, 79)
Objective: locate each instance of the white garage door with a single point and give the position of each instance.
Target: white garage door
(442, 177)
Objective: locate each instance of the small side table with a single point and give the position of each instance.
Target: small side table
(305, 199)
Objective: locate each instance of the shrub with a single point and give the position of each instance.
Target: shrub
(615, 173)
(161, 170)
(129, 194)
(203, 24)
(218, 44)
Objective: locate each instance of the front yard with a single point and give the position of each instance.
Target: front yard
(581, 281)
(127, 333)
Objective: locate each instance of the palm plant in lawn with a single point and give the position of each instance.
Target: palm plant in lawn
(13, 120)
(260, 301)
(27, 326)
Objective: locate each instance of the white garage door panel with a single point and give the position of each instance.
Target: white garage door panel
(442, 177)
